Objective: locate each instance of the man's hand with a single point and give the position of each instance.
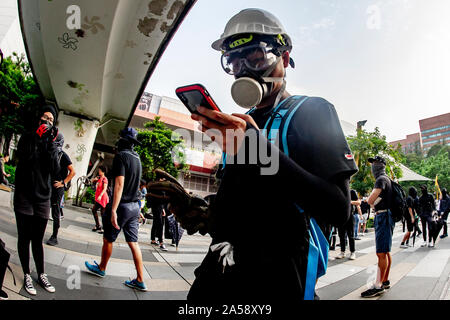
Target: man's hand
(230, 128)
(58, 184)
(114, 219)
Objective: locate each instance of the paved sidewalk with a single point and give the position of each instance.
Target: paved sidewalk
(418, 273)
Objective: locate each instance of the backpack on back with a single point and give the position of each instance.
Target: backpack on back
(397, 203)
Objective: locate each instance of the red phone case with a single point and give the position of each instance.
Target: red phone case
(202, 90)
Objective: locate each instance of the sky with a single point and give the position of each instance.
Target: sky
(384, 61)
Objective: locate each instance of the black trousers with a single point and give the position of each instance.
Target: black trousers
(445, 217)
(95, 213)
(157, 226)
(426, 226)
(30, 229)
(4, 259)
(347, 230)
(57, 195)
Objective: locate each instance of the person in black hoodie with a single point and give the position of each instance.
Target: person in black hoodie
(426, 208)
(444, 209)
(37, 161)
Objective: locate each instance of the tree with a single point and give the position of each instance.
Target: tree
(369, 144)
(434, 150)
(430, 167)
(161, 149)
(19, 97)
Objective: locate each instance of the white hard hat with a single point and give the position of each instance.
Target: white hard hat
(256, 21)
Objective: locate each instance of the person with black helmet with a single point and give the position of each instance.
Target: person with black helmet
(249, 204)
(444, 209)
(384, 225)
(37, 157)
(61, 181)
(123, 212)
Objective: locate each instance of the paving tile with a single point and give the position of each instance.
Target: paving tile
(162, 272)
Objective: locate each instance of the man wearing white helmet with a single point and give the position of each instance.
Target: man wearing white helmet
(312, 180)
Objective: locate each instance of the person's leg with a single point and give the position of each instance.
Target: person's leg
(106, 254)
(39, 226)
(341, 232)
(137, 258)
(444, 218)
(56, 210)
(94, 212)
(24, 229)
(430, 228)
(424, 228)
(350, 233)
(388, 267)
(382, 267)
(355, 225)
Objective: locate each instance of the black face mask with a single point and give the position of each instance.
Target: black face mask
(424, 192)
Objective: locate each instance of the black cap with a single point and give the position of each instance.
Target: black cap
(377, 159)
(52, 109)
(130, 134)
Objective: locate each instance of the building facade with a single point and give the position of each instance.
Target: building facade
(433, 131)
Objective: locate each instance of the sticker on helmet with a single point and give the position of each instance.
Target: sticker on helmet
(240, 42)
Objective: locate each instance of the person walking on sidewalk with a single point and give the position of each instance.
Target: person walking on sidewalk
(101, 197)
(412, 203)
(348, 230)
(158, 210)
(3, 161)
(365, 210)
(444, 209)
(60, 185)
(426, 208)
(123, 214)
(384, 226)
(37, 162)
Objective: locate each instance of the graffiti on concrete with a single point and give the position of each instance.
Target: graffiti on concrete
(68, 42)
(81, 150)
(93, 24)
(79, 128)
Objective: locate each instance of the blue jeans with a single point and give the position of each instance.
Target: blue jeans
(356, 218)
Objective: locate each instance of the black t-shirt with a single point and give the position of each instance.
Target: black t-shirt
(384, 184)
(249, 205)
(426, 204)
(365, 207)
(413, 203)
(64, 162)
(128, 164)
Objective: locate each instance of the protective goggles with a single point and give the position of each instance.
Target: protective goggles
(255, 58)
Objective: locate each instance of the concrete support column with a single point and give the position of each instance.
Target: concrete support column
(79, 137)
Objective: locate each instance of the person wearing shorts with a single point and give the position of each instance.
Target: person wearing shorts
(410, 218)
(384, 226)
(123, 213)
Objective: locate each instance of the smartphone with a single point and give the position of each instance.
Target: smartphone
(195, 95)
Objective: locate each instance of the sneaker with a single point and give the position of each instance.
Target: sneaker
(443, 236)
(352, 256)
(3, 295)
(404, 246)
(94, 269)
(163, 247)
(357, 238)
(43, 281)
(173, 244)
(332, 248)
(373, 292)
(155, 243)
(96, 229)
(100, 231)
(431, 245)
(52, 241)
(386, 285)
(341, 255)
(424, 244)
(134, 284)
(28, 285)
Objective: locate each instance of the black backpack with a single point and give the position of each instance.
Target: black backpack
(397, 203)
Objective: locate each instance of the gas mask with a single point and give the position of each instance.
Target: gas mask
(251, 66)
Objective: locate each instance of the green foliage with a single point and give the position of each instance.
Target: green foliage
(89, 197)
(369, 144)
(160, 146)
(369, 223)
(434, 150)
(430, 166)
(19, 97)
(12, 171)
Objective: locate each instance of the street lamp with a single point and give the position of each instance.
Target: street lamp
(360, 124)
